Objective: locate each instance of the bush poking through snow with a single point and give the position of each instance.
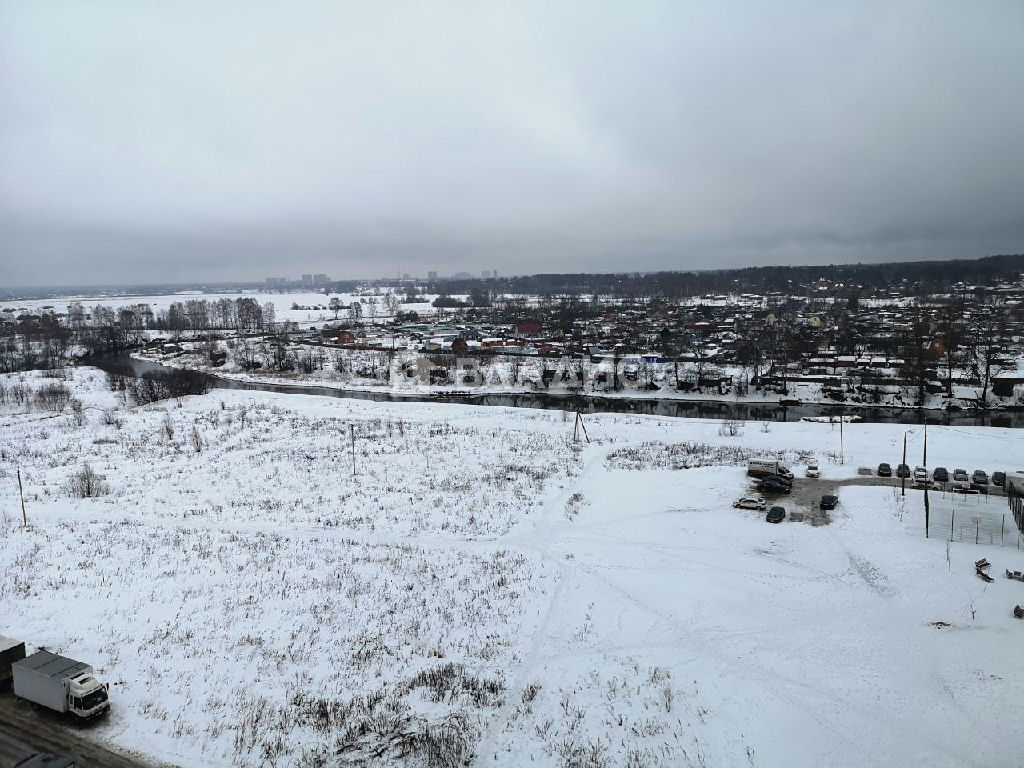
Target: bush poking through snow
(85, 483)
(731, 428)
(53, 396)
(687, 455)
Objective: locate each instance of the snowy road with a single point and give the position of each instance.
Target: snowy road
(24, 731)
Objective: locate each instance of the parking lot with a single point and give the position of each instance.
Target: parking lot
(806, 494)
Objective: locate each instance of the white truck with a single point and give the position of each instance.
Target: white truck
(60, 684)
(765, 466)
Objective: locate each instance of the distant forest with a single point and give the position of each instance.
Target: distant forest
(911, 277)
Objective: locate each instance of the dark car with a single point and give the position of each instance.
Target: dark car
(828, 501)
(940, 475)
(884, 470)
(774, 484)
(980, 477)
(902, 471)
(999, 478)
(776, 515)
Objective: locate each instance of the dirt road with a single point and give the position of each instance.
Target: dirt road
(24, 730)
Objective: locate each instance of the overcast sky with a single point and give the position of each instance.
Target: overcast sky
(177, 141)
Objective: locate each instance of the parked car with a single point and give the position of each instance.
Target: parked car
(960, 475)
(920, 474)
(812, 471)
(774, 485)
(751, 502)
(980, 476)
(776, 515)
(902, 471)
(964, 488)
(940, 475)
(999, 478)
(828, 501)
(884, 470)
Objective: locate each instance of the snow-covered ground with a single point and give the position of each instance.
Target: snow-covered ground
(313, 305)
(483, 587)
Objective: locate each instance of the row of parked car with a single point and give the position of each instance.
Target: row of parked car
(978, 481)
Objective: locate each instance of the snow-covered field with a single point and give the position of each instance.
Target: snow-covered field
(484, 589)
(307, 301)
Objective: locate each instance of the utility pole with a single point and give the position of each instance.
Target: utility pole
(575, 428)
(352, 432)
(842, 454)
(924, 463)
(21, 493)
(927, 512)
(903, 480)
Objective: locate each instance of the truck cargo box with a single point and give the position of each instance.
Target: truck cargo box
(10, 652)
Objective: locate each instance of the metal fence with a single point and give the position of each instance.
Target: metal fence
(979, 519)
(1016, 502)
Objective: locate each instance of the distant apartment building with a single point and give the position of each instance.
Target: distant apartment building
(320, 277)
(277, 281)
(485, 274)
(307, 277)
(432, 274)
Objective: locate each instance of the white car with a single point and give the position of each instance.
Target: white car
(920, 475)
(751, 502)
(812, 471)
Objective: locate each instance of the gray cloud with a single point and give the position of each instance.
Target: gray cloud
(228, 141)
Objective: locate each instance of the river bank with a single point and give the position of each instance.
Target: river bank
(723, 409)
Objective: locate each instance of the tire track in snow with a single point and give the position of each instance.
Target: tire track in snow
(793, 691)
(566, 571)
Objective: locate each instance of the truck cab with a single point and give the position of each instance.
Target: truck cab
(87, 696)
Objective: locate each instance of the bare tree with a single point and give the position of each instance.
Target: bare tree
(950, 329)
(989, 342)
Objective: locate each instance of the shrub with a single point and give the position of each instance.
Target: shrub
(86, 483)
(53, 396)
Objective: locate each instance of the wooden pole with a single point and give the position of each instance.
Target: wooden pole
(352, 432)
(21, 493)
(903, 480)
(579, 423)
(842, 453)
